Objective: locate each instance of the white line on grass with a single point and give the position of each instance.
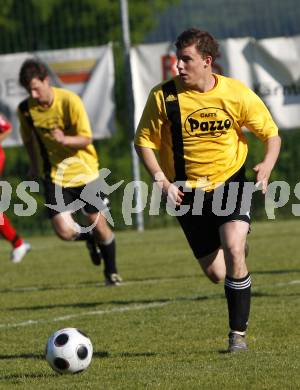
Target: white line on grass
(287, 283)
(114, 310)
(87, 313)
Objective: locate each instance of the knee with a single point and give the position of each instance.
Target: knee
(213, 266)
(65, 234)
(103, 232)
(235, 261)
(234, 252)
(64, 226)
(215, 277)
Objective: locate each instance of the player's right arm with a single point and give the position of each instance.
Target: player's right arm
(148, 139)
(150, 162)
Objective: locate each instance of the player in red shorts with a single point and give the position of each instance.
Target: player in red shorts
(20, 247)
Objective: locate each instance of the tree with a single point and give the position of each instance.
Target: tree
(53, 24)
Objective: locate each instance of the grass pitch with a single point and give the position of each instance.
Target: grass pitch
(165, 328)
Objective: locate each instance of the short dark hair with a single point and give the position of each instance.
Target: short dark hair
(205, 43)
(30, 69)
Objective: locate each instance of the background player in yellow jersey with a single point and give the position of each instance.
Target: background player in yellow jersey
(56, 133)
(194, 121)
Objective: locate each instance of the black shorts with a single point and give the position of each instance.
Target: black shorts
(202, 231)
(87, 197)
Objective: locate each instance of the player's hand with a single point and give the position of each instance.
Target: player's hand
(263, 171)
(174, 195)
(58, 135)
(171, 192)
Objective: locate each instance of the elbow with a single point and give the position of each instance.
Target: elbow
(273, 140)
(87, 141)
(279, 140)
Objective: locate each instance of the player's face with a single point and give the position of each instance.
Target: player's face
(192, 66)
(41, 91)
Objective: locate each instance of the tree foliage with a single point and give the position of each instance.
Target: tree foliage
(52, 24)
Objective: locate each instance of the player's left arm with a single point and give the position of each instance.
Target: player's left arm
(81, 135)
(72, 141)
(263, 169)
(258, 119)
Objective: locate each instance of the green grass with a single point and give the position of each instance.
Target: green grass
(165, 328)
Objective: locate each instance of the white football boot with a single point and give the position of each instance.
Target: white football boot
(18, 253)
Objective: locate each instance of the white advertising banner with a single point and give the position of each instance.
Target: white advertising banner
(271, 67)
(87, 71)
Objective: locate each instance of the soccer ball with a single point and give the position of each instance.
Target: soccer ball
(69, 351)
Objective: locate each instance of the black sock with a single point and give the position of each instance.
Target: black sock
(109, 257)
(84, 236)
(238, 294)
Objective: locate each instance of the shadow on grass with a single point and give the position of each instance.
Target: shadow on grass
(14, 377)
(105, 354)
(137, 354)
(96, 354)
(88, 305)
(86, 284)
(22, 356)
(94, 284)
(223, 351)
(84, 305)
(276, 272)
(260, 294)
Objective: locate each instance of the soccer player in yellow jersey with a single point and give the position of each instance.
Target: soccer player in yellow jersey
(194, 120)
(56, 133)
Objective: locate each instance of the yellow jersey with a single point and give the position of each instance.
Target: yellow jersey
(213, 144)
(63, 165)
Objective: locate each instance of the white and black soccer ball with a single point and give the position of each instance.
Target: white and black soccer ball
(69, 351)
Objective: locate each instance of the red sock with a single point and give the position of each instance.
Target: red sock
(8, 232)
